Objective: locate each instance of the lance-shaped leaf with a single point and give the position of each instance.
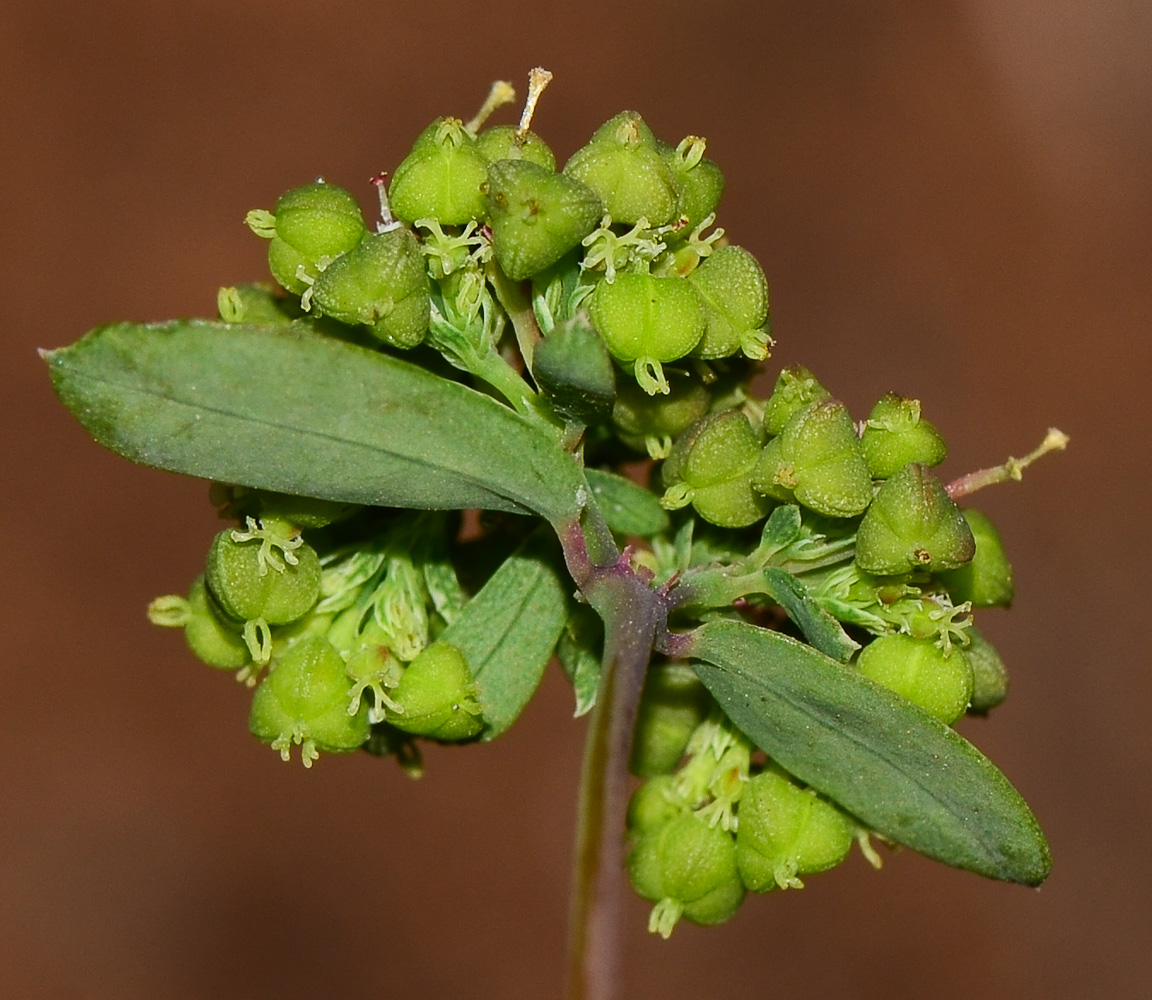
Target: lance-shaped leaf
(286, 409)
(900, 771)
(819, 628)
(509, 629)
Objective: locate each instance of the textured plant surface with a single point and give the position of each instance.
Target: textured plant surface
(774, 632)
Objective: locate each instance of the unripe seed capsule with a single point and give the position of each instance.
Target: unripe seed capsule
(913, 524)
(209, 638)
(673, 703)
(436, 696)
(920, 671)
(536, 215)
(381, 283)
(796, 387)
(653, 804)
(711, 468)
(623, 165)
(734, 290)
(817, 459)
(441, 178)
(698, 180)
(314, 224)
(248, 583)
(507, 142)
(786, 831)
(896, 434)
(647, 321)
(687, 869)
(651, 423)
(987, 580)
(304, 700)
(989, 675)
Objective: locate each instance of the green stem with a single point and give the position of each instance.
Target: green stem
(519, 309)
(634, 615)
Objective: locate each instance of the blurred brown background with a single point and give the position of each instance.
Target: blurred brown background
(951, 200)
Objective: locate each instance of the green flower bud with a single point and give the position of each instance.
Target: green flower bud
(653, 804)
(896, 434)
(436, 696)
(304, 700)
(211, 639)
(441, 178)
(312, 225)
(506, 142)
(989, 675)
(651, 423)
(919, 670)
(623, 165)
(796, 387)
(912, 524)
(698, 180)
(574, 370)
(673, 703)
(687, 869)
(536, 215)
(711, 468)
(987, 580)
(263, 574)
(647, 321)
(383, 284)
(786, 831)
(818, 461)
(735, 294)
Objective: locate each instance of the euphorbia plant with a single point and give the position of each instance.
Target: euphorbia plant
(770, 621)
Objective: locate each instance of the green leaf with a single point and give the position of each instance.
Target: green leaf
(510, 628)
(819, 627)
(628, 509)
(286, 409)
(580, 651)
(900, 771)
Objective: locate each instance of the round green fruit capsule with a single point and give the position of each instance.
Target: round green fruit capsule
(623, 165)
(896, 434)
(711, 468)
(651, 423)
(698, 180)
(382, 283)
(314, 225)
(436, 696)
(536, 216)
(786, 831)
(913, 524)
(304, 700)
(673, 703)
(507, 142)
(920, 671)
(251, 579)
(796, 387)
(687, 869)
(987, 580)
(734, 290)
(653, 804)
(989, 675)
(817, 460)
(648, 321)
(211, 639)
(442, 177)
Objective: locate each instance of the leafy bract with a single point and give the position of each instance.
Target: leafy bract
(627, 508)
(286, 409)
(508, 631)
(903, 773)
